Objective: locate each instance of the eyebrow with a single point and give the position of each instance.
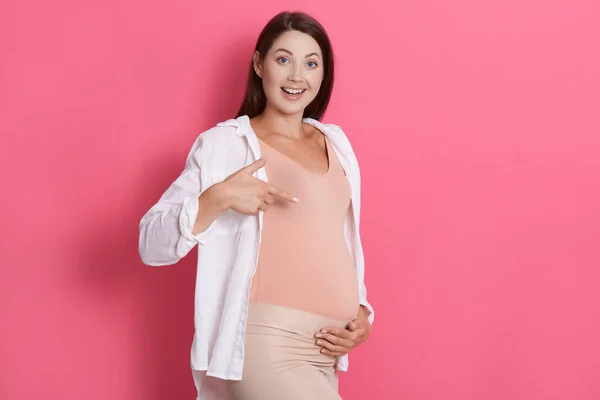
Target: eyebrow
(290, 53)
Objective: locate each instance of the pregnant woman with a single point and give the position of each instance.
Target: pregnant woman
(272, 199)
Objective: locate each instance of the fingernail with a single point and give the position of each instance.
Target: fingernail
(324, 330)
(319, 342)
(352, 326)
(295, 199)
(318, 335)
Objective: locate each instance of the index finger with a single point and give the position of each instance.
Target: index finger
(275, 191)
(339, 332)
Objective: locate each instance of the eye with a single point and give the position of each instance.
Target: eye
(312, 64)
(280, 60)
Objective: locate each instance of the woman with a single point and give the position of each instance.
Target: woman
(280, 295)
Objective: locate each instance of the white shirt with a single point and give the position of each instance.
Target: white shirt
(228, 248)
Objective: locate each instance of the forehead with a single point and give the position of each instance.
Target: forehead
(297, 42)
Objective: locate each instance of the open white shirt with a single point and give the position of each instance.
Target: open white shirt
(228, 248)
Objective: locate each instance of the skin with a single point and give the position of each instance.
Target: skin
(338, 342)
(294, 61)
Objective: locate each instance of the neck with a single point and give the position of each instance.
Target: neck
(272, 120)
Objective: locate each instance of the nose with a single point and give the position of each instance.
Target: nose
(295, 74)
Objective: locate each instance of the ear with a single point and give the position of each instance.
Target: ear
(257, 64)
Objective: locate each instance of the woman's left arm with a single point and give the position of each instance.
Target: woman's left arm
(338, 341)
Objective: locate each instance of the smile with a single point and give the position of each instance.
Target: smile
(293, 91)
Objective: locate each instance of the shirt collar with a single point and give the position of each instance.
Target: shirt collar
(243, 127)
(241, 124)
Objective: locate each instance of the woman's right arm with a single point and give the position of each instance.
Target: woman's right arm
(184, 215)
(168, 231)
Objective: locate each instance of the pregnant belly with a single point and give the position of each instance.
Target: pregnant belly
(321, 281)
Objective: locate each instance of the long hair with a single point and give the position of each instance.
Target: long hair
(255, 100)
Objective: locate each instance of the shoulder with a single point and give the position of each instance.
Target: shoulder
(335, 133)
(219, 141)
(326, 127)
(222, 132)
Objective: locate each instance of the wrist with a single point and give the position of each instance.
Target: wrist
(219, 197)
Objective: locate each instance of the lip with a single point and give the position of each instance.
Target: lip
(293, 96)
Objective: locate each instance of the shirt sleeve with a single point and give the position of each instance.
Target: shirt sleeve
(165, 231)
(365, 302)
(362, 286)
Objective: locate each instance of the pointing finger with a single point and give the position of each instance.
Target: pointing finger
(275, 191)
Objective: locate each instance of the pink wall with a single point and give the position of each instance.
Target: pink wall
(477, 127)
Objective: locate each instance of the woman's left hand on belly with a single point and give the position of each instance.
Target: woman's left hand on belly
(338, 341)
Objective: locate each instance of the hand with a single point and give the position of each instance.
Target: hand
(248, 195)
(338, 341)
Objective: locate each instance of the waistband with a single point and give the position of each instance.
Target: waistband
(289, 319)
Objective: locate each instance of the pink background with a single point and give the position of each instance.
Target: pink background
(477, 127)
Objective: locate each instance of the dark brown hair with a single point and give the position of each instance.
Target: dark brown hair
(255, 100)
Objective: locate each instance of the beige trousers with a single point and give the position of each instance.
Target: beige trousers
(281, 359)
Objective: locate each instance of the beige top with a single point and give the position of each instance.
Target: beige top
(304, 262)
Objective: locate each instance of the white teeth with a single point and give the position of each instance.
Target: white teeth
(293, 91)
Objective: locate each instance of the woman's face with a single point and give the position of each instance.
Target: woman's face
(291, 72)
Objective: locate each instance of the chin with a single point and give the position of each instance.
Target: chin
(290, 109)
